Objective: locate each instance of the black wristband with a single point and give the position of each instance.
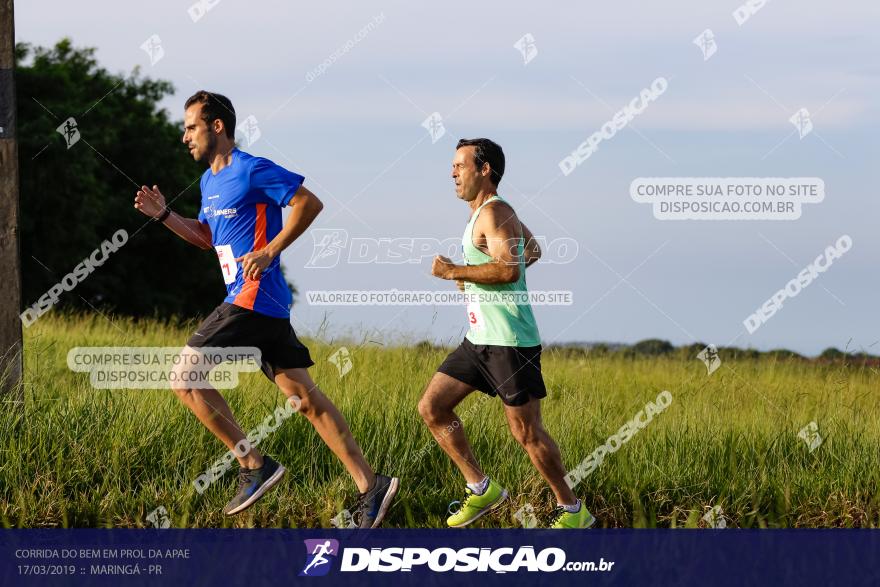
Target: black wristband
(164, 215)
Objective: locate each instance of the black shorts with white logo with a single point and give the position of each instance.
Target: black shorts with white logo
(233, 326)
(513, 373)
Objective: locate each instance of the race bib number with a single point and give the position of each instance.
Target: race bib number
(227, 263)
(475, 316)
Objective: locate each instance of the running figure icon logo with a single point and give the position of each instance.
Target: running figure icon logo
(434, 125)
(706, 43)
(70, 131)
(328, 246)
(319, 555)
(526, 46)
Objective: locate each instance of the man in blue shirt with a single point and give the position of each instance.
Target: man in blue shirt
(240, 218)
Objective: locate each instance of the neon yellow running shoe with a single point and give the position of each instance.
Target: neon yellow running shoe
(567, 520)
(475, 505)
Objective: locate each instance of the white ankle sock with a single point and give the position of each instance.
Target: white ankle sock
(480, 488)
(572, 509)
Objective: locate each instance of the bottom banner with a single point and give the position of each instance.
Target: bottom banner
(438, 557)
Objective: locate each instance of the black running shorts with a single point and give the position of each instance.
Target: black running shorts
(513, 373)
(233, 326)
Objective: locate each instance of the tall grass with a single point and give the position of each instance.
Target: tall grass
(73, 456)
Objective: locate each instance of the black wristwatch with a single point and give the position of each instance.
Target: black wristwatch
(164, 215)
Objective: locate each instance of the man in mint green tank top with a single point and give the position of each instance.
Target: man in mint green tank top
(501, 353)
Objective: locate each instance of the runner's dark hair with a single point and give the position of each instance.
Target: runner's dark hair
(486, 151)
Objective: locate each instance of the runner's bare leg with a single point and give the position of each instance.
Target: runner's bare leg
(437, 410)
(213, 412)
(328, 422)
(528, 429)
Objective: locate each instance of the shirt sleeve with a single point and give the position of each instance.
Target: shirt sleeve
(274, 183)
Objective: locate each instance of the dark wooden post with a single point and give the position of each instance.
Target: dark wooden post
(10, 261)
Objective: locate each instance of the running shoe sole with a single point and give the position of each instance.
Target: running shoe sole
(485, 510)
(393, 486)
(270, 482)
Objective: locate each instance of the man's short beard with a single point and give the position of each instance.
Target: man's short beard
(208, 154)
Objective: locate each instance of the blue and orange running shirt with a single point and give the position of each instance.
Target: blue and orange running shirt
(242, 205)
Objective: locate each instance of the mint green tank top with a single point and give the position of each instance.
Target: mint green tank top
(496, 321)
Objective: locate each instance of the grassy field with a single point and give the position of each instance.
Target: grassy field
(73, 456)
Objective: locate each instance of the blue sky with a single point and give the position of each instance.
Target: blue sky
(355, 133)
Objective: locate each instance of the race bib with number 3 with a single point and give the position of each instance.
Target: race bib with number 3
(475, 316)
(227, 263)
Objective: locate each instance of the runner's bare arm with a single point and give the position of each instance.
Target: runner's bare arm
(531, 249)
(498, 225)
(305, 208)
(151, 202)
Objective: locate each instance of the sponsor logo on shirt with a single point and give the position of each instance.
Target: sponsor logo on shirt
(212, 211)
